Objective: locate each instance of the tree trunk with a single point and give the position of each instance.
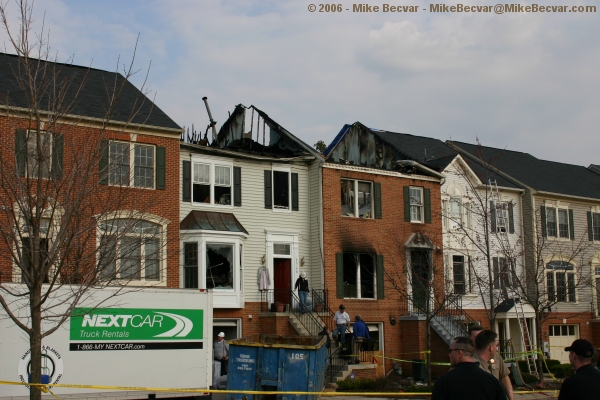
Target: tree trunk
(35, 343)
(539, 343)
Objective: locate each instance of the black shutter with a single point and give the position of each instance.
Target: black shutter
(380, 277)
(427, 195)
(511, 218)
(161, 168)
(377, 200)
(543, 218)
(493, 216)
(571, 225)
(590, 226)
(294, 192)
(103, 162)
(496, 273)
(407, 203)
(268, 190)
(339, 274)
(237, 186)
(186, 181)
(57, 157)
(21, 150)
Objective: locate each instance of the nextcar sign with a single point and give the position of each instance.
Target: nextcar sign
(104, 324)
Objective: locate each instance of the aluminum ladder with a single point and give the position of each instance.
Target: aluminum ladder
(526, 342)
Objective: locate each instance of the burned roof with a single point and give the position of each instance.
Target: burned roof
(365, 146)
(88, 89)
(271, 138)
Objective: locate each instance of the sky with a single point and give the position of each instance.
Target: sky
(522, 81)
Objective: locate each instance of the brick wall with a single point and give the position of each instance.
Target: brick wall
(385, 236)
(80, 143)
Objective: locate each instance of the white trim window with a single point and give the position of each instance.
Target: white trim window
(416, 204)
(504, 272)
(502, 217)
(212, 182)
(131, 164)
(560, 281)
(282, 189)
(455, 210)
(557, 222)
(37, 163)
(130, 250)
(214, 261)
(358, 206)
(459, 274)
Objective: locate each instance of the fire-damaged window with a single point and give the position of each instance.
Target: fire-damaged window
(219, 266)
(357, 199)
(359, 275)
(281, 189)
(211, 183)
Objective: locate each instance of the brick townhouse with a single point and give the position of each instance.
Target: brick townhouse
(109, 163)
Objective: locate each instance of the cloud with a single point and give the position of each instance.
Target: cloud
(526, 82)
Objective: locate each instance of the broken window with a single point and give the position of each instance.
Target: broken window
(219, 266)
(359, 275)
(357, 199)
(281, 189)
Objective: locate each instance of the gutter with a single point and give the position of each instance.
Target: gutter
(232, 153)
(541, 192)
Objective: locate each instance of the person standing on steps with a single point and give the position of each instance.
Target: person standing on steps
(302, 286)
(361, 332)
(342, 321)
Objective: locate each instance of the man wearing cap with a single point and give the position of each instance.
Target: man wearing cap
(486, 354)
(302, 286)
(221, 352)
(342, 320)
(585, 384)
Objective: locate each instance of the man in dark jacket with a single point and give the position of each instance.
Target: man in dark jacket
(466, 381)
(585, 384)
(302, 286)
(361, 332)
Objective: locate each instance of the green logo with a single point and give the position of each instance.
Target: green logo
(136, 324)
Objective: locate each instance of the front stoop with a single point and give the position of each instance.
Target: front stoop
(302, 331)
(347, 370)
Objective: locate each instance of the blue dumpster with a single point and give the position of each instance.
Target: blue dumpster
(275, 363)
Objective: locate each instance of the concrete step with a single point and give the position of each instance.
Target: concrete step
(347, 370)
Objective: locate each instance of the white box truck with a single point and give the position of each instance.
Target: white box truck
(129, 337)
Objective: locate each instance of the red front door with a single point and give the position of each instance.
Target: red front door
(282, 268)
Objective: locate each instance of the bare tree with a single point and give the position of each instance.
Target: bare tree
(414, 274)
(556, 273)
(506, 263)
(76, 223)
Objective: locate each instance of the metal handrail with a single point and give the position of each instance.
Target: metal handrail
(312, 324)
